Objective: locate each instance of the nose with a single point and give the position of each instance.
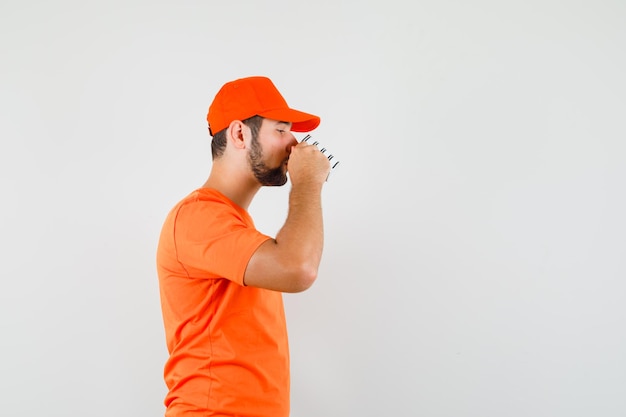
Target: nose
(292, 142)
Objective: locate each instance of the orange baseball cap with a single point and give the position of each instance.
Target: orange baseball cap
(255, 96)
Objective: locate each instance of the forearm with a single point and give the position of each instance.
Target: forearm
(301, 239)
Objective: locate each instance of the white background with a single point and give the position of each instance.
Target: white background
(475, 236)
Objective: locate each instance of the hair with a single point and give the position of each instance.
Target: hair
(218, 144)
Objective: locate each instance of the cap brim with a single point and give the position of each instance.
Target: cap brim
(300, 121)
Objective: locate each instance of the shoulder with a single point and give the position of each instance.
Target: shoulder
(206, 213)
(207, 204)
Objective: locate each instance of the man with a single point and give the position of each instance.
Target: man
(221, 280)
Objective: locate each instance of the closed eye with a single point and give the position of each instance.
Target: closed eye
(283, 127)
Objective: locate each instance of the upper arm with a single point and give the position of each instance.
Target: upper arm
(274, 267)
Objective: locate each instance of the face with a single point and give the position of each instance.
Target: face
(269, 152)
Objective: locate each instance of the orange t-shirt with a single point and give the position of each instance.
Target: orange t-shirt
(227, 342)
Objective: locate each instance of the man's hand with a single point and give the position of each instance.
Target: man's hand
(307, 165)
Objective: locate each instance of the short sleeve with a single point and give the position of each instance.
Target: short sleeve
(215, 240)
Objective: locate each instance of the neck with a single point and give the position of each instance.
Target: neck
(236, 184)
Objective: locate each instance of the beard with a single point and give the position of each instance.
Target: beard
(264, 174)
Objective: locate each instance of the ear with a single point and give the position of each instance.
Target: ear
(235, 134)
